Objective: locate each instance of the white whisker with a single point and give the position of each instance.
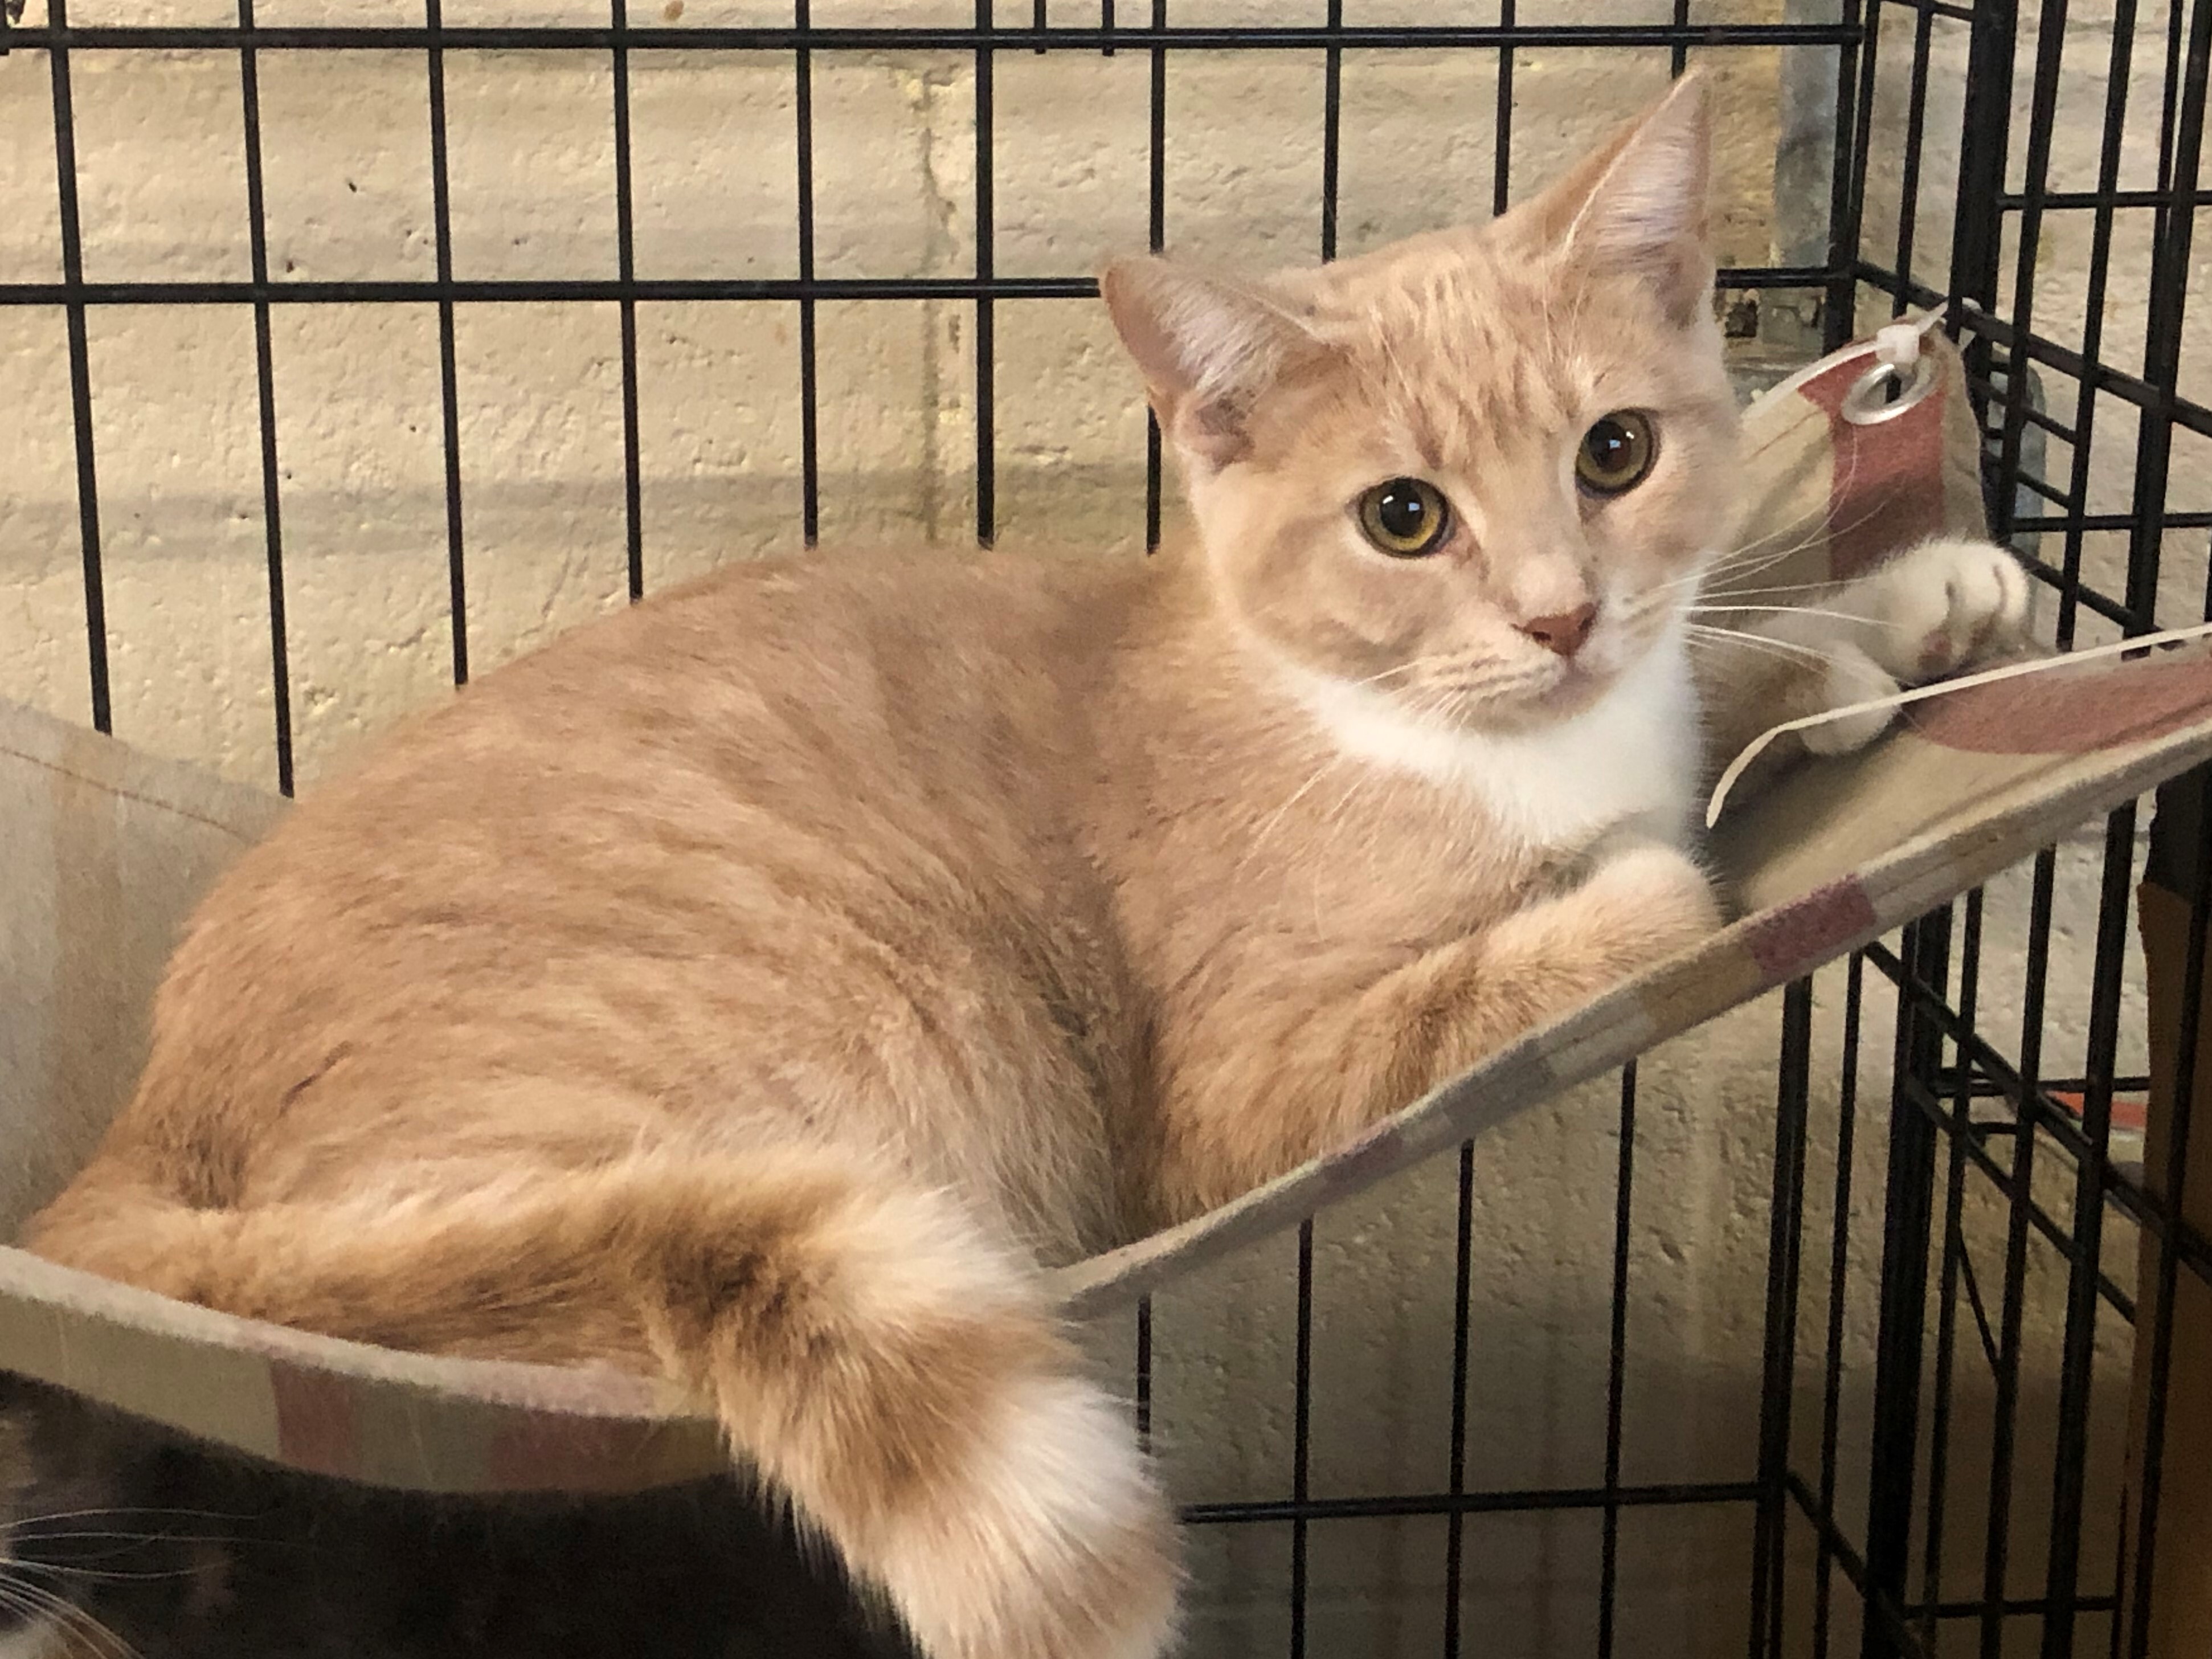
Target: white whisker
(100, 1575)
(1736, 639)
(1791, 610)
(122, 1511)
(1780, 588)
(34, 1601)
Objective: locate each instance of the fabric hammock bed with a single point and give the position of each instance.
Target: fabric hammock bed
(105, 846)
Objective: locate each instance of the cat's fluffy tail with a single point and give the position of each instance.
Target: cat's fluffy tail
(870, 1350)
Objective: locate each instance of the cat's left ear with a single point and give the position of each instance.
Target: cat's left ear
(1641, 203)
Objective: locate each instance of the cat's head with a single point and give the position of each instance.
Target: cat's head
(47, 1469)
(1476, 472)
(74, 1529)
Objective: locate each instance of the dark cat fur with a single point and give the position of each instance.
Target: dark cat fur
(185, 1553)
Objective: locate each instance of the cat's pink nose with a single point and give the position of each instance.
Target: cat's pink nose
(1565, 633)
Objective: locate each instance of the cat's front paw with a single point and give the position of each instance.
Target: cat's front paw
(1652, 889)
(1642, 903)
(1942, 606)
(1850, 679)
(1934, 610)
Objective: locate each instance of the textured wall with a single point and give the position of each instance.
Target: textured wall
(357, 390)
(359, 437)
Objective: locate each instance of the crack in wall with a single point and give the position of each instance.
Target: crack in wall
(923, 90)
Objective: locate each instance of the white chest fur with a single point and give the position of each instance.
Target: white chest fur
(1629, 761)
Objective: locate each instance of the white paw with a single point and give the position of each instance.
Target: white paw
(1940, 607)
(1851, 677)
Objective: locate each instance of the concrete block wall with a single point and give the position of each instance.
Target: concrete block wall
(348, 190)
(360, 443)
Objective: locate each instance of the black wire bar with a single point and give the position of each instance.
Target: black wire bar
(983, 38)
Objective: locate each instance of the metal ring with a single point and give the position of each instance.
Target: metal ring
(1863, 405)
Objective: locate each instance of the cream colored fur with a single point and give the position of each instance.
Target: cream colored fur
(45, 1637)
(756, 987)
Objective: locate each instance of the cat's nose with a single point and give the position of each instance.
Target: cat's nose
(1565, 633)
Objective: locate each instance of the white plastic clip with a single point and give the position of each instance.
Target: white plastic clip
(1898, 345)
(1901, 376)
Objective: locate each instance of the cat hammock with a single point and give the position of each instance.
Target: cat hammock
(104, 848)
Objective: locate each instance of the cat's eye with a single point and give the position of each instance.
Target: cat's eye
(1616, 452)
(1405, 518)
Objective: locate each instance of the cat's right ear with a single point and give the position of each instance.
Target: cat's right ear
(1641, 201)
(1207, 346)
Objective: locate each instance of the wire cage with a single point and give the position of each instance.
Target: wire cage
(1954, 1359)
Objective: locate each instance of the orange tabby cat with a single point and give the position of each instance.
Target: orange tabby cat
(757, 987)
